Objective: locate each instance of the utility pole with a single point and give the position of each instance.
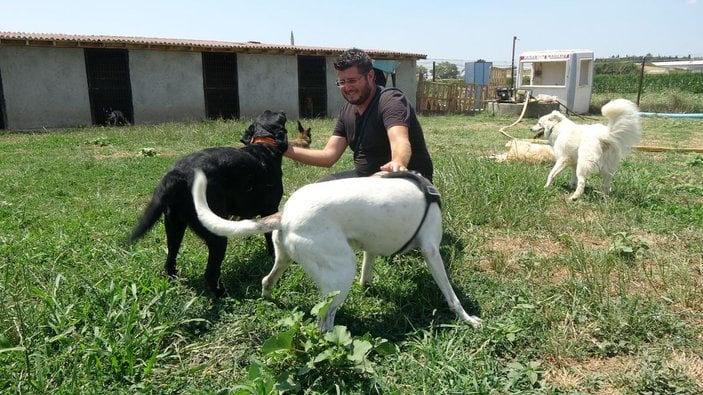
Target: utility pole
(512, 69)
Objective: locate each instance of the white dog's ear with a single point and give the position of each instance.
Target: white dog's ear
(556, 116)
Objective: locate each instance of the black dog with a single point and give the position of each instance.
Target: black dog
(243, 183)
(115, 118)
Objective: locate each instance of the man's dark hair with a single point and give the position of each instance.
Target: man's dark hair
(354, 57)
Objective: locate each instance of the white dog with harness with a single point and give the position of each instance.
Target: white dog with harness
(321, 224)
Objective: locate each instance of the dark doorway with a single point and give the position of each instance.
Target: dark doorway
(220, 82)
(312, 91)
(109, 85)
(2, 105)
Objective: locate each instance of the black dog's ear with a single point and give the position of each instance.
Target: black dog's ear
(270, 124)
(267, 124)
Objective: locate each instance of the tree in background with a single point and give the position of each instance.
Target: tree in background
(623, 66)
(446, 71)
(422, 71)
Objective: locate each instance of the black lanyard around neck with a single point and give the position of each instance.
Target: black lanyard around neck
(365, 118)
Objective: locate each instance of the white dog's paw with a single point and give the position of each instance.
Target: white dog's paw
(475, 321)
(471, 319)
(266, 291)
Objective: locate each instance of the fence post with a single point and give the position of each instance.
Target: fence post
(639, 88)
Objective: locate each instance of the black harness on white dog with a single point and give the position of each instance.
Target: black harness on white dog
(431, 196)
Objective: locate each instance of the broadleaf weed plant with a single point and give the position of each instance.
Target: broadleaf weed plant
(300, 357)
(629, 246)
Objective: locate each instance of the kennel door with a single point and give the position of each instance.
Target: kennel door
(109, 86)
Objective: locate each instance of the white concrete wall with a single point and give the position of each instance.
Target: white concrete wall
(47, 87)
(406, 79)
(44, 87)
(267, 82)
(335, 101)
(166, 86)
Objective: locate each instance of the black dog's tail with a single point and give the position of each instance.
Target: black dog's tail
(156, 206)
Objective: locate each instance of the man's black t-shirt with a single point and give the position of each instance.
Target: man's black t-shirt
(374, 149)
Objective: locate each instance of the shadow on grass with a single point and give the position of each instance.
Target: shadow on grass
(417, 303)
(241, 276)
(404, 296)
(409, 300)
(419, 309)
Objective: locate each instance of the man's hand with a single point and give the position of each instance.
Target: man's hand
(400, 149)
(393, 166)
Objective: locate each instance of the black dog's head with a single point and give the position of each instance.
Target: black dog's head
(268, 127)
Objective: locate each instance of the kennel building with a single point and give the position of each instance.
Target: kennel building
(566, 74)
(56, 80)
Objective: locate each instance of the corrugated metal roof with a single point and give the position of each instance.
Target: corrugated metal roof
(174, 44)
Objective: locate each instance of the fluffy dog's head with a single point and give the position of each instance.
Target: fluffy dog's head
(546, 123)
(269, 127)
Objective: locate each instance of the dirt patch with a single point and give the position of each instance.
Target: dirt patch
(129, 154)
(572, 375)
(609, 370)
(690, 364)
(514, 245)
(564, 378)
(117, 155)
(513, 253)
(611, 373)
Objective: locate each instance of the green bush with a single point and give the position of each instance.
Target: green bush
(629, 83)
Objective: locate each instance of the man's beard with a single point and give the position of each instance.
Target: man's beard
(364, 94)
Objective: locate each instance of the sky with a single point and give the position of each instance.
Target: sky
(456, 31)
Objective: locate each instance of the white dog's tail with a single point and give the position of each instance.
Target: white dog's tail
(224, 227)
(624, 126)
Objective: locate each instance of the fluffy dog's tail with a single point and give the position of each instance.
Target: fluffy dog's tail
(625, 129)
(224, 227)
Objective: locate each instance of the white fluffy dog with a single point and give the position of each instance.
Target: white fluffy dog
(321, 224)
(591, 148)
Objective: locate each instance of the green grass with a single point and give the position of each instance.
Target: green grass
(594, 296)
